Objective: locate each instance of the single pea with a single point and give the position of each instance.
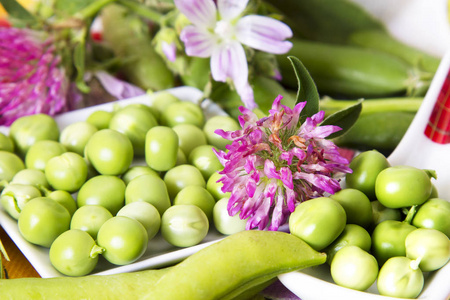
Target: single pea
(134, 121)
(76, 135)
(110, 152)
(100, 119)
(388, 239)
(74, 253)
(10, 164)
(356, 205)
(382, 213)
(215, 187)
(204, 159)
(148, 188)
(182, 176)
(145, 213)
(366, 166)
(190, 137)
(15, 196)
(402, 186)
(31, 177)
(104, 190)
(41, 152)
(400, 277)
(352, 234)
(161, 100)
(430, 247)
(124, 239)
(90, 218)
(223, 222)
(225, 123)
(318, 221)
(434, 213)
(161, 148)
(6, 143)
(67, 172)
(65, 199)
(183, 112)
(42, 220)
(136, 171)
(184, 225)
(27, 130)
(354, 268)
(198, 196)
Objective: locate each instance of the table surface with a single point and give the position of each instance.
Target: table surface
(18, 266)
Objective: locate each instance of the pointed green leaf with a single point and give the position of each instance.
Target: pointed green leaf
(79, 63)
(307, 89)
(17, 11)
(344, 118)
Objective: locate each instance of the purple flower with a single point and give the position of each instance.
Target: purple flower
(31, 78)
(219, 30)
(275, 163)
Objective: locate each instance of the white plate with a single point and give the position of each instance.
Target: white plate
(159, 253)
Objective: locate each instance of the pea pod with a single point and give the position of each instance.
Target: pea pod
(352, 71)
(235, 264)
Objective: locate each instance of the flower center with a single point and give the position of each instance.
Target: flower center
(224, 30)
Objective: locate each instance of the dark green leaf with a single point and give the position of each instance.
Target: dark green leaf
(344, 118)
(307, 90)
(17, 11)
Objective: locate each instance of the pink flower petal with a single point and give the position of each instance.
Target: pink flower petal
(264, 33)
(229, 61)
(197, 42)
(200, 12)
(230, 9)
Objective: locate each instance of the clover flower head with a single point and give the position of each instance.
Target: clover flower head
(275, 163)
(31, 78)
(219, 30)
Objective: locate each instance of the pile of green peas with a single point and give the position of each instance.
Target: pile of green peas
(109, 184)
(387, 226)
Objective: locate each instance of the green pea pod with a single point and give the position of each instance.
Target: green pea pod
(126, 35)
(237, 263)
(352, 71)
(118, 286)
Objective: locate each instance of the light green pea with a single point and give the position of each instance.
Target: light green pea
(136, 171)
(31, 177)
(90, 218)
(226, 123)
(183, 112)
(41, 152)
(6, 144)
(10, 164)
(199, 196)
(145, 213)
(15, 197)
(182, 176)
(66, 172)
(215, 188)
(76, 135)
(204, 159)
(161, 148)
(225, 223)
(190, 137)
(100, 119)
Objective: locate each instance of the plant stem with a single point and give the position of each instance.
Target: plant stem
(142, 10)
(92, 9)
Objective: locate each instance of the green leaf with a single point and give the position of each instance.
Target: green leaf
(344, 118)
(79, 63)
(17, 11)
(307, 89)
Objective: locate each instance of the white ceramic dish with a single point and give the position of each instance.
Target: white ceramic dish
(159, 253)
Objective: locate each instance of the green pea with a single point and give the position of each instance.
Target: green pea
(6, 143)
(27, 130)
(136, 171)
(110, 152)
(10, 164)
(226, 123)
(223, 222)
(31, 177)
(148, 188)
(434, 213)
(182, 176)
(161, 148)
(15, 197)
(76, 135)
(67, 172)
(184, 225)
(90, 218)
(100, 119)
(190, 137)
(42, 220)
(161, 100)
(215, 188)
(124, 240)
(354, 268)
(40, 153)
(134, 121)
(104, 190)
(65, 199)
(352, 234)
(74, 253)
(145, 213)
(204, 159)
(199, 196)
(366, 166)
(183, 112)
(356, 205)
(382, 213)
(318, 221)
(400, 277)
